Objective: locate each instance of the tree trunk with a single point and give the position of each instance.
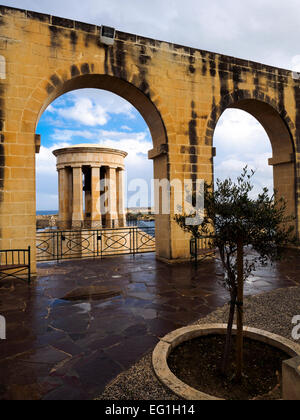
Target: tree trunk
(229, 335)
(240, 302)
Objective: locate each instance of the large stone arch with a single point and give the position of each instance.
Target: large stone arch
(279, 128)
(158, 119)
(260, 106)
(85, 75)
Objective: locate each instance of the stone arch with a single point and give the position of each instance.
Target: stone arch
(279, 128)
(87, 75)
(149, 104)
(265, 109)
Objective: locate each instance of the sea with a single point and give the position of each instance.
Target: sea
(139, 223)
(46, 212)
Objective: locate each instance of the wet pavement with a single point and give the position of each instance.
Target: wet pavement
(58, 349)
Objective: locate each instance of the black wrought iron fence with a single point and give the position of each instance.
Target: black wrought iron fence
(201, 248)
(71, 244)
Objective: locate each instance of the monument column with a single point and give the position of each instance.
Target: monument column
(77, 211)
(120, 197)
(87, 194)
(112, 214)
(64, 197)
(96, 218)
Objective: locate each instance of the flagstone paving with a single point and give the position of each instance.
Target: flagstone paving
(59, 349)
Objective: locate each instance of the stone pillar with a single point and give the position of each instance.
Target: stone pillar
(96, 219)
(284, 182)
(103, 195)
(291, 379)
(120, 198)
(88, 196)
(77, 213)
(64, 198)
(112, 214)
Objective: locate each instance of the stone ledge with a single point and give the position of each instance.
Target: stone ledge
(158, 151)
(281, 160)
(291, 379)
(137, 39)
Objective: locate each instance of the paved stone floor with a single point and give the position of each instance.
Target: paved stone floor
(58, 349)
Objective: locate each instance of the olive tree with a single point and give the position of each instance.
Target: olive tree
(236, 224)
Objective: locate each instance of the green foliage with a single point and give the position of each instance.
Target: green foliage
(232, 215)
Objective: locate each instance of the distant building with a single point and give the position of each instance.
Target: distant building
(143, 210)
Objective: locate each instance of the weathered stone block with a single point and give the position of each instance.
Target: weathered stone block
(291, 379)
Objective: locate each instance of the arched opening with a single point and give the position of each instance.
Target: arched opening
(121, 88)
(92, 116)
(240, 141)
(281, 149)
(151, 128)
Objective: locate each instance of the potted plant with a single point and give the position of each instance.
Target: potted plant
(235, 222)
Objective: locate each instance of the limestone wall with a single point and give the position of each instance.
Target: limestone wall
(180, 91)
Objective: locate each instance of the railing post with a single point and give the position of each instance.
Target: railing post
(97, 238)
(57, 245)
(136, 241)
(29, 264)
(133, 230)
(101, 243)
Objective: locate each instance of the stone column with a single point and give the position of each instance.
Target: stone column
(112, 214)
(120, 197)
(88, 195)
(284, 181)
(64, 198)
(77, 213)
(103, 195)
(96, 219)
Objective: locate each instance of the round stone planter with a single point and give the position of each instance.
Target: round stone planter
(175, 338)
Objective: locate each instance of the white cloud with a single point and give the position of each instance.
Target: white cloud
(112, 103)
(231, 165)
(68, 135)
(126, 128)
(241, 141)
(45, 161)
(91, 107)
(85, 112)
(46, 180)
(100, 136)
(137, 148)
(239, 131)
(295, 63)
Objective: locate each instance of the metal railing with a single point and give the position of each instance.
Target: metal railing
(201, 248)
(15, 263)
(92, 243)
